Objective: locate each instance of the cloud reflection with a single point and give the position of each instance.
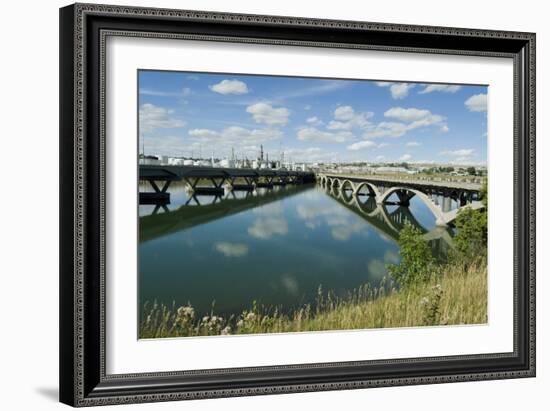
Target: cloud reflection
(271, 208)
(232, 249)
(268, 227)
(290, 284)
(342, 225)
(377, 268)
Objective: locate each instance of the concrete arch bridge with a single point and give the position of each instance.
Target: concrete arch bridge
(437, 196)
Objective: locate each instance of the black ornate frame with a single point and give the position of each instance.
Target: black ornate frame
(83, 31)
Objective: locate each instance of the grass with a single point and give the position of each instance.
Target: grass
(459, 296)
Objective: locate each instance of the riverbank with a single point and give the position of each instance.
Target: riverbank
(458, 296)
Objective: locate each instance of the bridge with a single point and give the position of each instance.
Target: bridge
(213, 180)
(390, 223)
(383, 189)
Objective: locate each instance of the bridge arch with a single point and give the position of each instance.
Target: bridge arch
(440, 219)
(346, 183)
(373, 190)
(367, 209)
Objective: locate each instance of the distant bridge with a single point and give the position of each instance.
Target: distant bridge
(383, 188)
(213, 180)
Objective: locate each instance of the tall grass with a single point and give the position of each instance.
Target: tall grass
(458, 296)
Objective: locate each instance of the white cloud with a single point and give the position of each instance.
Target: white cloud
(344, 113)
(325, 86)
(361, 145)
(266, 114)
(314, 121)
(477, 102)
(413, 144)
(444, 88)
(186, 91)
(204, 133)
(407, 114)
(314, 134)
(230, 87)
(310, 154)
(408, 119)
(398, 90)
(405, 157)
(152, 117)
(461, 156)
(307, 107)
(465, 152)
(157, 93)
(232, 249)
(236, 136)
(165, 145)
(345, 118)
(380, 158)
(386, 129)
(401, 90)
(265, 228)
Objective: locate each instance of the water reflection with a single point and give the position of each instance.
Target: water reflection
(274, 246)
(190, 210)
(390, 218)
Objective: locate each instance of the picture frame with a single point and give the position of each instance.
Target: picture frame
(84, 29)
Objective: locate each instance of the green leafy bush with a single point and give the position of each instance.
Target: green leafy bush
(417, 262)
(471, 237)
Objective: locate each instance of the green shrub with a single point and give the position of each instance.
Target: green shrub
(471, 237)
(417, 262)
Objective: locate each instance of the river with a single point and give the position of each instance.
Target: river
(275, 247)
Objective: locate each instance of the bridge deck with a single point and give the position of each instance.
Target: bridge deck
(146, 171)
(416, 183)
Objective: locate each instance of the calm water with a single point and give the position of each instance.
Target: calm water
(276, 247)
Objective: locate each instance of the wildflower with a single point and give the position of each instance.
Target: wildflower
(186, 312)
(226, 331)
(425, 301)
(240, 323)
(250, 317)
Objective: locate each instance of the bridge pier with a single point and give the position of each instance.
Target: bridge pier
(265, 182)
(404, 197)
(446, 205)
(159, 196)
(249, 185)
(215, 189)
(280, 181)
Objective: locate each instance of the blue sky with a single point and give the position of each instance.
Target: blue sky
(310, 119)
